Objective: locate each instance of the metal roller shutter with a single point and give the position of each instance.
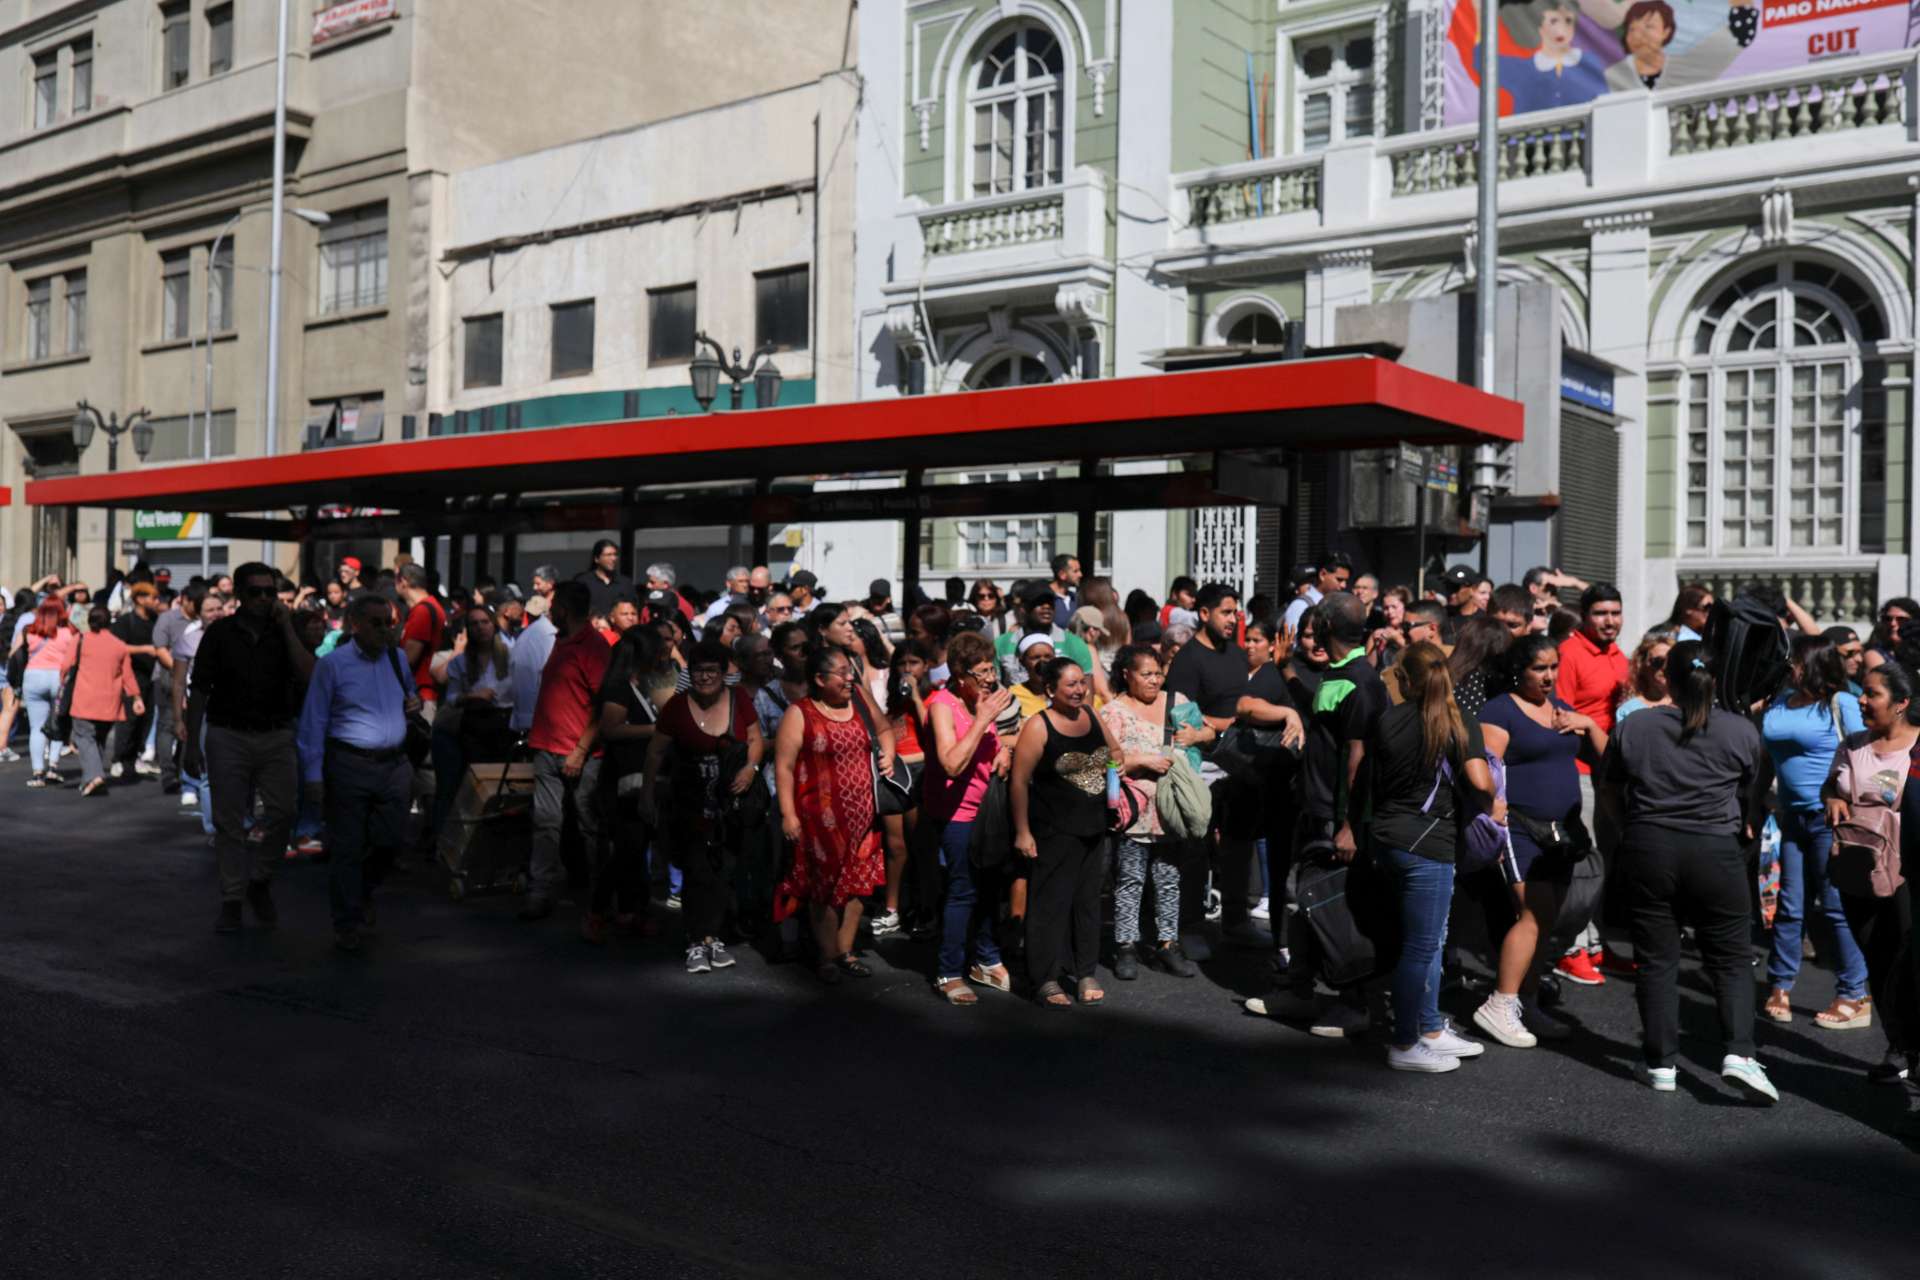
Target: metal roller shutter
(1588, 524)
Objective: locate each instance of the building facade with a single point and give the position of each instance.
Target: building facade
(138, 134)
(1711, 266)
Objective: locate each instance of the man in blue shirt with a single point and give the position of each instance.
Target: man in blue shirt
(531, 651)
(352, 737)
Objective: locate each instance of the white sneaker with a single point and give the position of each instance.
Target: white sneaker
(9, 756)
(1662, 1079)
(116, 770)
(146, 768)
(1421, 1057)
(1499, 1017)
(189, 799)
(887, 922)
(697, 961)
(1450, 1043)
(1216, 906)
(1262, 910)
(1750, 1078)
(717, 955)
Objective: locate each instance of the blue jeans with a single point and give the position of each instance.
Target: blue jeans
(1426, 890)
(966, 917)
(42, 691)
(1806, 842)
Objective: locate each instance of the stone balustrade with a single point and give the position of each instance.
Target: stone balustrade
(1291, 186)
(1830, 592)
(1806, 104)
(998, 222)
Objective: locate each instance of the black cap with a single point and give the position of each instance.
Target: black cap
(662, 600)
(802, 578)
(1460, 576)
(1303, 574)
(879, 589)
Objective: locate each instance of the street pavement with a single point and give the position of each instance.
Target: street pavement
(474, 1096)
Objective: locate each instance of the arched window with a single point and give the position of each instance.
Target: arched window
(1256, 328)
(1015, 112)
(1785, 436)
(1015, 370)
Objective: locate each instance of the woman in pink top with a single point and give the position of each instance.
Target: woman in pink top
(966, 752)
(101, 690)
(49, 641)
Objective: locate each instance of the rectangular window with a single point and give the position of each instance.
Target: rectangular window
(176, 46)
(220, 319)
(483, 351)
(1696, 515)
(348, 419)
(572, 339)
(1333, 86)
(76, 312)
(185, 439)
(670, 324)
(780, 309)
(40, 319)
(219, 39)
(46, 88)
(82, 76)
(176, 280)
(1012, 542)
(353, 260)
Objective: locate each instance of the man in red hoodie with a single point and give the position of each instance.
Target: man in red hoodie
(1592, 671)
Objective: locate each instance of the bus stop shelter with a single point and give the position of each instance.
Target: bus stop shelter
(1233, 426)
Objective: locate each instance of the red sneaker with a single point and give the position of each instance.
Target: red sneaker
(309, 847)
(1577, 966)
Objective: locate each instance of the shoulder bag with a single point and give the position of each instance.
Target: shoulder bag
(892, 792)
(1866, 846)
(748, 809)
(418, 742)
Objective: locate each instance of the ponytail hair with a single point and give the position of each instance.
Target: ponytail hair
(1429, 685)
(1690, 682)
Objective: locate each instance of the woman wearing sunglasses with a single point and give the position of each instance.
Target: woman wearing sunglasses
(990, 605)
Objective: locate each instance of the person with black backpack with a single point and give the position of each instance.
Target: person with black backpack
(1687, 773)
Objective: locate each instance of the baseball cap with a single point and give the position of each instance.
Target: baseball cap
(1459, 576)
(1087, 618)
(660, 599)
(350, 562)
(1304, 574)
(802, 578)
(163, 575)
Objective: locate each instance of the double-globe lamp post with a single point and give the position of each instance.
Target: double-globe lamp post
(88, 420)
(706, 370)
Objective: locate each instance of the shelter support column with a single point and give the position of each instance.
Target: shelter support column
(762, 528)
(913, 531)
(1088, 542)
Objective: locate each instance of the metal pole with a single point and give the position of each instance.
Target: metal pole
(206, 425)
(1486, 294)
(113, 465)
(272, 417)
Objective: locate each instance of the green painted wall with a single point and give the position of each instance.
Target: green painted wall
(1288, 292)
(1211, 40)
(610, 406)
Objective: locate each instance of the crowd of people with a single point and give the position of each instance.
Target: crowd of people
(1370, 783)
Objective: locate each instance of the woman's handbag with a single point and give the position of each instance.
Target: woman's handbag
(17, 664)
(1866, 846)
(60, 723)
(892, 792)
(991, 840)
(748, 809)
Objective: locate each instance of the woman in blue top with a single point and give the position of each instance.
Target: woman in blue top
(1803, 728)
(1537, 737)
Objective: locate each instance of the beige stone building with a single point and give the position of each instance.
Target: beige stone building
(133, 132)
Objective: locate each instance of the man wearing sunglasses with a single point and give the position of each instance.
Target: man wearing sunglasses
(248, 677)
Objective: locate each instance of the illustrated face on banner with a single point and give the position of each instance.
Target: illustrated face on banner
(1563, 53)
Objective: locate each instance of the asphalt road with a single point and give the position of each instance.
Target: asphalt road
(472, 1096)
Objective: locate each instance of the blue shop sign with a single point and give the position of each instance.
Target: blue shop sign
(1585, 382)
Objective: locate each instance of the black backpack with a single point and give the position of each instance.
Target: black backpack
(1747, 648)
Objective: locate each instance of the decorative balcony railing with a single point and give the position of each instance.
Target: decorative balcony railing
(1808, 104)
(1268, 189)
(997, 222)
(1824, 589)
(1534, 149)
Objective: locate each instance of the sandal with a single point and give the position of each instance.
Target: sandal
(37, 783)
(1845, 1015)
(1090, 992)
(956, 991)
(1051, 995)
(1776, 1009)
(850, 963)
(93, 787)
(997, 977)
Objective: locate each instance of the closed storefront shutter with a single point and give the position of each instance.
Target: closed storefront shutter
(1589, 495)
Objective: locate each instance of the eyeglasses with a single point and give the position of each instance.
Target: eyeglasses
(985, 595)
(705, 673)
(773, 609)
(981, 673)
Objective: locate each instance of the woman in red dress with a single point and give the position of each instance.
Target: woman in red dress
(821, 758)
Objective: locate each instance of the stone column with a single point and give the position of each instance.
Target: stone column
(1619, 293)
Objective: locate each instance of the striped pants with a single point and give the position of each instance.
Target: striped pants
(1135, 862)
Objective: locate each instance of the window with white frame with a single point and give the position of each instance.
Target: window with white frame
(1256, 326)
(353, 260)
(82, 76)
(1015, 370)
(39, 319)
(220, 289)
(176, 45)
(46, 88)
(1015, 113)
(1333, 89)
(219, 39)
(76, 313)
(176, 293)
(1005, 542)
(1783, 412)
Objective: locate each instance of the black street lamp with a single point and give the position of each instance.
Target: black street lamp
(88, 420)
(706, 370)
